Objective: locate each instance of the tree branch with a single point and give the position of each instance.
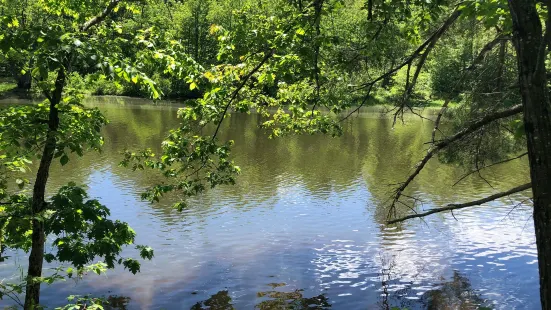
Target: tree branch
(364, 101)
(99, 18)
(488, 166)
(239, 87)
(435, 148)
(452, 207)
(479, 58)
(434, 37)
(486, 49)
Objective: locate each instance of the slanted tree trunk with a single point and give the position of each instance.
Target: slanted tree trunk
(36, 257)
(531, 47)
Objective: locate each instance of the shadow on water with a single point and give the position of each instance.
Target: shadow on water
(274, 299)
(456, 294)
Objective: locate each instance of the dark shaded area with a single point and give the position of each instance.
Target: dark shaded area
(274, 300)
(455, 294)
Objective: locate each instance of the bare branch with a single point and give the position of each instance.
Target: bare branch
(452, 207)
(435, 148)
(364, 101)
(486, 49)
(435, 36)
(488, 166)
(481, 55)
(244, 81)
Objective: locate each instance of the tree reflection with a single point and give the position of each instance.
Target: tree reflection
(370, 150)
(455, 294)
(218, 301)
(294, 300)
(117, 302)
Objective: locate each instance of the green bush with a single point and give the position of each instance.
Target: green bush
(76, 82)
(102, 86)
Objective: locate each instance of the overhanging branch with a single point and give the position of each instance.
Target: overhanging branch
(488, 166)
(452, 207)
(244, 81)
(418, 52)
(436, 147)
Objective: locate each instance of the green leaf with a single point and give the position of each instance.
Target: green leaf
(64, 160)
(146, 252)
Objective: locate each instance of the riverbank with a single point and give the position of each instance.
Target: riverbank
(383, 101)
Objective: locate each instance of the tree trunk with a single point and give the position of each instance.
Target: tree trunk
(24, 81)
(530, 45)
(501, 65)
(196, 13)
(36, 257)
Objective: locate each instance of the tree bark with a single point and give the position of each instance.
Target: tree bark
(530, 44)
(36, 257)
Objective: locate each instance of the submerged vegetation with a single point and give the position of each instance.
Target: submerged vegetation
(305, 66)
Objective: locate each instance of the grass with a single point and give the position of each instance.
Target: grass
(6, 87)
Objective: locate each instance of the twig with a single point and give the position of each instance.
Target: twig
(488, 166)
(364, 101)
(481, 55)
(451, 207)
(458, 136)
(239, 87)
(416, 53)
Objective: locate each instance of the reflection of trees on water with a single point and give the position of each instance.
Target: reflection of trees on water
(455, 294)
(218, 301)
(117, 302)
(370, 150)
(274, 300)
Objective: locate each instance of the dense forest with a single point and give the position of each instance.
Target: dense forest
(304, 66)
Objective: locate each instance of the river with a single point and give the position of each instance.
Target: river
(305, 224)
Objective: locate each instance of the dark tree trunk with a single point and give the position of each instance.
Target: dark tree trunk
(196, 14)
(36, 257)
(24, 81)
(318, 6)
(531, 49)
(501, 65)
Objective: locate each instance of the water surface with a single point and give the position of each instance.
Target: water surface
(304, 226)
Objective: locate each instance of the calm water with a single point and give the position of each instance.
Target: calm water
(305, 225)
